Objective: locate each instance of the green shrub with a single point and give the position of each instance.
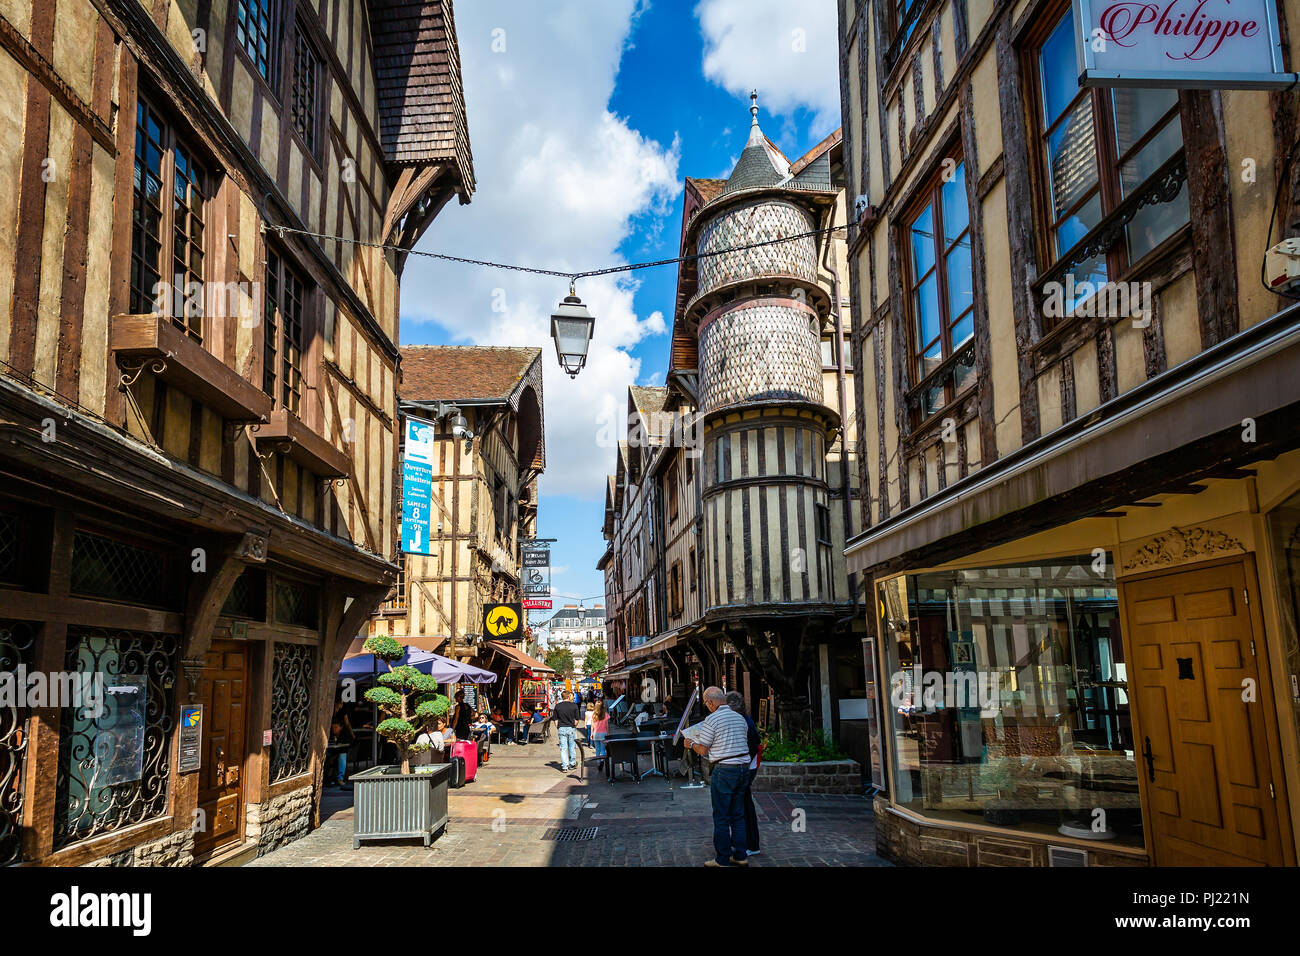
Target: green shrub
(407, 699)
(804, 748)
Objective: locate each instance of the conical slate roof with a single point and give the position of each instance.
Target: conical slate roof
(760, 163)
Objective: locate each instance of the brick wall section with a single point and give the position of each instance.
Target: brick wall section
(282, 820)
(904, 842)
(829, 776)
(175, 849)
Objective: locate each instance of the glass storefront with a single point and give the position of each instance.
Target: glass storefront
(1007, 699)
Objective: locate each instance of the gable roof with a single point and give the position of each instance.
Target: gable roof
(418, 86)
(432, 373)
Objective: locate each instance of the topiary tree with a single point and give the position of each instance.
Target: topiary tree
(407, 698)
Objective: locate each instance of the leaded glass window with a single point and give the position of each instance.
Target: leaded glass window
(291, 692)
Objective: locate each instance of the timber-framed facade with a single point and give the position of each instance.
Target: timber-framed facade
(1078, 447)
(198, 396)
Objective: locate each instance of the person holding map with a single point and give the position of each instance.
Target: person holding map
(722, 738)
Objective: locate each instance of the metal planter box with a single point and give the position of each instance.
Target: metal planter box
(391, 805)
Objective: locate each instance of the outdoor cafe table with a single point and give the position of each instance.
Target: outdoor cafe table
(659, 752)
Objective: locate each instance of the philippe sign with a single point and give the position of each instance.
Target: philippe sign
(1184, 44)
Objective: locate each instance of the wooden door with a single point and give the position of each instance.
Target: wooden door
(1203, 749)
(221, 778)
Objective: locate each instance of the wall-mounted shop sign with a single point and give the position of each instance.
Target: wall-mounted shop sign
(1184, 44)
(417, 485)
(191, 752)
(503, 622)
(537, 604)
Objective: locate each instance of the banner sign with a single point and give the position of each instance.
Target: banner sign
(537, 604)
(503, 622)
(1181, 44)
(417, 486)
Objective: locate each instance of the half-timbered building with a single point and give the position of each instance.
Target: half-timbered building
(198, 371)
(484, 494)
(1077, 411)
(752, 484)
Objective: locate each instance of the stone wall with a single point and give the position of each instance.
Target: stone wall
(827, 776)
(175, 849)
(282, 820)
(906, 842)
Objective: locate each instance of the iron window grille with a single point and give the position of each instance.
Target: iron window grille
(17, 648)
(108, 568)
(255, 31)
(114, 765)
(291, 689)
(165, 167)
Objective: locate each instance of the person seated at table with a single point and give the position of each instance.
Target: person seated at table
(642, 716)
(525, 721)
(482, 729)
(435, 743)
(662, 709)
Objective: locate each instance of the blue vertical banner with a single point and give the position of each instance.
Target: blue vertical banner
(417, 485)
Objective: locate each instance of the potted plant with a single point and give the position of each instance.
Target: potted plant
(392, 802)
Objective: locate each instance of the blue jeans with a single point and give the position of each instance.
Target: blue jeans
(568, 747)
(727, 787)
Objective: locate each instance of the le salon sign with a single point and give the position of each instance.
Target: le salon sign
(1188, 44)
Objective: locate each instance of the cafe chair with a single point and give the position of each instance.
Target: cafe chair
(621, 751)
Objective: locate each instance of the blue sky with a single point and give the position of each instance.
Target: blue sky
(584, 117)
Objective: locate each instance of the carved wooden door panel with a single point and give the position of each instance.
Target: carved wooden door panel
(221, 784)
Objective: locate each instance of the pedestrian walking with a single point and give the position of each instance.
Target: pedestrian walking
(565, 716)
(737, 703)
(587, 719)
(723, 739)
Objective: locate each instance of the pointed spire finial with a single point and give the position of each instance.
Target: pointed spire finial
(753, 107)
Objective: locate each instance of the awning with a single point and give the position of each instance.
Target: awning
(419, 642)
(519, 658)
(660, 643)
(442, 669)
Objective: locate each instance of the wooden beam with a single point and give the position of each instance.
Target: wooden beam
(207, 595)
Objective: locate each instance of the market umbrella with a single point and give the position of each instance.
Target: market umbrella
(440, 668)
(475, 675)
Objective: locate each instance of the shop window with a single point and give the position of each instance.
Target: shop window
(291, 689)
(282, 332)
(255, 32)
(940, 289)
(1099, 150)
(17, 649)
(168, 239)
(1008, 699)
(114, 751)
(109, 568)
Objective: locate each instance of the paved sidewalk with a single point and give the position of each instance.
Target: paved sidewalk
(508, 817)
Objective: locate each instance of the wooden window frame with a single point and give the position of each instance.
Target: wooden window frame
(694, 570)
(312, 138)
(171, 145)
(1108, 160)
(277, 364)
(929, 195)
(671, 488)
(275, 34)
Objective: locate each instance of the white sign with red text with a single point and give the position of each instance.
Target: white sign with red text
(1184, 44)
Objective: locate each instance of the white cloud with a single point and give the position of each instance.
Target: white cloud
(560, 180)
(788, 51)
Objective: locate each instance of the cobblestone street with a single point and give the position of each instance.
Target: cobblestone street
(522, 791)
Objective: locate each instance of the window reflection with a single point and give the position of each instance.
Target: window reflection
(1008, 699)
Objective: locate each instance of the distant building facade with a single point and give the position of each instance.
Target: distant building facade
(577, 629)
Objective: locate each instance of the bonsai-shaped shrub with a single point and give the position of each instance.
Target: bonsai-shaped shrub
(407, 698)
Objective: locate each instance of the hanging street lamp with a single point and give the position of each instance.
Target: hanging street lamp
(571, 326)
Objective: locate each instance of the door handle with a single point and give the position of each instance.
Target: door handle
(1150, 759)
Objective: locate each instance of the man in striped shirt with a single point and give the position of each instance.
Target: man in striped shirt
(723, 739)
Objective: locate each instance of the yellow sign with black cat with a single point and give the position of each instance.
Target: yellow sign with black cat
(503, 621)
